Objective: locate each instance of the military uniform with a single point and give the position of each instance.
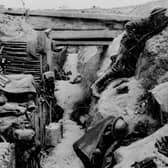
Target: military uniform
(27, 147)
(27, 154)
(132, 45)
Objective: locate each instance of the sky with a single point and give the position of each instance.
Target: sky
(79, 4)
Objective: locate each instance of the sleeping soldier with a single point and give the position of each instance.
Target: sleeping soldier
(132, 44)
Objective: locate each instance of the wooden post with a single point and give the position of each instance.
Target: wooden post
(41, 121)
(41, 65)
(50, 111)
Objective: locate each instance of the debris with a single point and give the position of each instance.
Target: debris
(142, 149)
(146, 163)
(162, 146)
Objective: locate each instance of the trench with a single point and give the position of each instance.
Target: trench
(67, 95)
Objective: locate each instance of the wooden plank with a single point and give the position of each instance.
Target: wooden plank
(25, 66)
(16, 53)
(99, 34)
(58, 24)
(14, 43)
(21, 60)
(81, 43)
(15, 58)
(44, 27)
(8, 70)
(12, 70)
(14, 48)
(61, 14)
(26, 60)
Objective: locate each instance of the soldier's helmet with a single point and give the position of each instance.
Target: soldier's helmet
(120, 128)
(157, 11)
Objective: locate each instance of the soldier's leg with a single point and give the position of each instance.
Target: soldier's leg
(114, 73)
(103, 81)
(100, 84)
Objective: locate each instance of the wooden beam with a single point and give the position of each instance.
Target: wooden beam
(67, 29)
(74, 14)
(78, 35)
(81, 43)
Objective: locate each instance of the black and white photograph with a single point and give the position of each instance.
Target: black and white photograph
(83, 83)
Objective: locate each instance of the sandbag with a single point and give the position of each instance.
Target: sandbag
(24, 134)
(11, 109)
(20, 83)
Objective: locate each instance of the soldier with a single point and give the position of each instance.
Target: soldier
(28, 153)
(48, 78)
(132, 44)
(27, 147)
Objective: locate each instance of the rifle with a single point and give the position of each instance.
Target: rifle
(146, 163)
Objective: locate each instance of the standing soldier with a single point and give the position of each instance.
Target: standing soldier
(132, 44)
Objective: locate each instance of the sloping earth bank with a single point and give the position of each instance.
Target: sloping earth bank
(132, 98)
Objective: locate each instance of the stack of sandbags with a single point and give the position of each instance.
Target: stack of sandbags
(17, 103)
